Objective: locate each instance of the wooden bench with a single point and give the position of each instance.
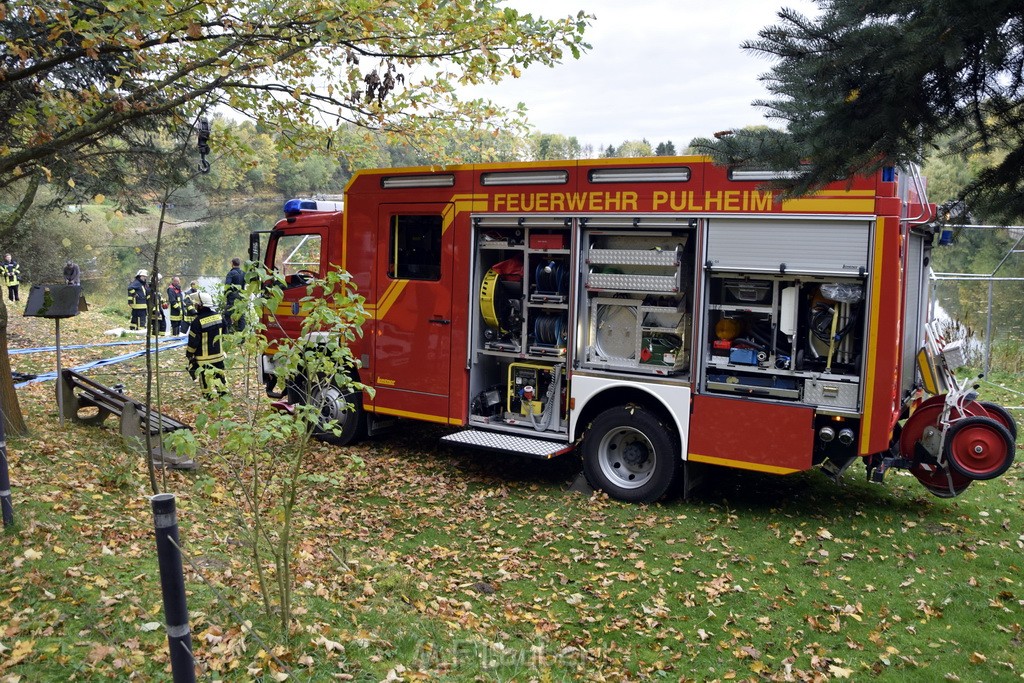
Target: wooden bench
(88, 402)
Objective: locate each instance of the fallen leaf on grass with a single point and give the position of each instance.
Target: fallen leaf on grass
(21, 649)
(748, 651)
(329, 645)
(839, 672)
(99, 652)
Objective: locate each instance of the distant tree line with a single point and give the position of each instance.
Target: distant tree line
(246, 158)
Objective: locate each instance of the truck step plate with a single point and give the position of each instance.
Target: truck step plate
(509, 443)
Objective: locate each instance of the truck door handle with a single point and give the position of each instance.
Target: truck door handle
(439, 321)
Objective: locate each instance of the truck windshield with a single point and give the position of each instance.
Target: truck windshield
(297, 259)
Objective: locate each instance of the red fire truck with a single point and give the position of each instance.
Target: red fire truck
(663, 315)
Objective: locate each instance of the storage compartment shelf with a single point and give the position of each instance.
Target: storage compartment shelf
(629, 282)
(633, 257)
(755, 385)
(634, 365)
(501, 245)
(740, 308)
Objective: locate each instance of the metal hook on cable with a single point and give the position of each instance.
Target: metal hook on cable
(203, 131)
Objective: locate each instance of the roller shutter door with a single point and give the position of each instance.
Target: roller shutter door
(826, 247)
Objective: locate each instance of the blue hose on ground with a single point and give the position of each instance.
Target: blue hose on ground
(52, 349)
(45, 377)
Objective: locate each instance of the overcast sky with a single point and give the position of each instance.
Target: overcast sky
(659, 69)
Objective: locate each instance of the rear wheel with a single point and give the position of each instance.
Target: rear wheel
(631, 455)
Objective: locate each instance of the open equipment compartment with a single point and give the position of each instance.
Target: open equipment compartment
(520, 300)
(781, 333)
(636, 299)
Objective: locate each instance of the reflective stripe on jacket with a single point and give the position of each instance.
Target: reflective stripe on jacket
(191, 298)
(176, 300)
(11, 272)
(137, 293)
(204, 337)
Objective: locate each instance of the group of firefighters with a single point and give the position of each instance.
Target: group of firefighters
(191, 312)
(181, 304)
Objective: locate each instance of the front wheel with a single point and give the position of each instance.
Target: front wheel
(344, 409)
(630, 454)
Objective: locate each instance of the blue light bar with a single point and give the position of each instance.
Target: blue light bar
(293, 207)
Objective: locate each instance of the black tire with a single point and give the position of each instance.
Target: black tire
(978, 448)
(631, 455)
(345, 409)
(1002, 416)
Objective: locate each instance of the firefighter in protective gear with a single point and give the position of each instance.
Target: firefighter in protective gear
(138, 292)
(234, 284)
(204, 353)
(176, 301)
(12, 276)
(191, 298)
(157, 321)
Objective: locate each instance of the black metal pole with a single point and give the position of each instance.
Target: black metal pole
(60, 394)
(172, 585)
(5, 477)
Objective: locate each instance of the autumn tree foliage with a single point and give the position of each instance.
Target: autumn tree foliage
(85, 86)
(74, 74)
(870, 83)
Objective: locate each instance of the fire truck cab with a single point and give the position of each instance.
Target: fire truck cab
(659, 314)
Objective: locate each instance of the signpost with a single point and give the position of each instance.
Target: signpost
(56, 302)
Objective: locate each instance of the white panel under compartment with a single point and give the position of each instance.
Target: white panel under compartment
(791, 245)
(674, 397)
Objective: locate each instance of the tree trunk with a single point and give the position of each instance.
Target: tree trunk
(13, 419)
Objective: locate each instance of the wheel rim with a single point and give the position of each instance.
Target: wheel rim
(627, 457)
(977, 450)
(333, 405)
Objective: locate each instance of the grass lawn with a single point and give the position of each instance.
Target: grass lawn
(430, 563)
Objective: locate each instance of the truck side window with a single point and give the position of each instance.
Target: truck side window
(415, 248)
(297, 259)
